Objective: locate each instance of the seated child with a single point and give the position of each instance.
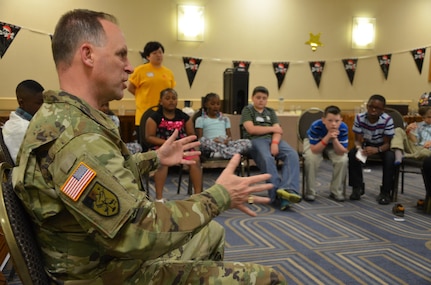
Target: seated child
(160, 126)
(415, 141)
(328, 135)
(213, 131)
(262, 127)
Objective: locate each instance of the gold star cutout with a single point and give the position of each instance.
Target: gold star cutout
(314, 41)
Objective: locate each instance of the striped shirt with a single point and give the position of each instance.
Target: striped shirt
(318, 131)
(374, 132)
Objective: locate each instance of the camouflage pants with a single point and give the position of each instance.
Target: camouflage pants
(200, 262)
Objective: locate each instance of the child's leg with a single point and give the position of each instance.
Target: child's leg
(196, 175)
(159, 180)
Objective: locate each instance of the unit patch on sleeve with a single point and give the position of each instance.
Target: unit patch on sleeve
(102, 201)
(78, 181)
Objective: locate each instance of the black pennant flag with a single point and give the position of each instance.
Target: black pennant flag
(317, 70)
(385, 62)
(418, 56)
(7, 35)
(280, 69)
(241, 65)
(350, 68)
(191, 64)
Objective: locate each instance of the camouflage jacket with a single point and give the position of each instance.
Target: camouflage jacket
(82, 189)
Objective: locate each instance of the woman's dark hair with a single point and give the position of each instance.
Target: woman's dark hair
(150, 47)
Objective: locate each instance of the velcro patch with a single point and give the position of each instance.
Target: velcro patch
(102, 201)
(78, 181)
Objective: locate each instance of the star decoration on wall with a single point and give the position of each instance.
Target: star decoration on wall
(314, 41)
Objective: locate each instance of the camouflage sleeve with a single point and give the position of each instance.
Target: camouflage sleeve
(111, 205)
(145, 161)
(91, 179)
(160, 228)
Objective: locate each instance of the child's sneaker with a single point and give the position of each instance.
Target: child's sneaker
(284, 205)
(398, 210)
(289, 195)
(163, 200)
(420, 204)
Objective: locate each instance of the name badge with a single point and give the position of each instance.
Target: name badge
(259, 119)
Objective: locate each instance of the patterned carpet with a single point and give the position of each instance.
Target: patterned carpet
(326, 242)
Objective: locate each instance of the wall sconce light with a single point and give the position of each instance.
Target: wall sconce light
(190, 23)
(363, 33)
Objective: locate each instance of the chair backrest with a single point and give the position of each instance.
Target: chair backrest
(305, 121)
(150, 111)
(4, 152)
(396, 116)
(19, 233)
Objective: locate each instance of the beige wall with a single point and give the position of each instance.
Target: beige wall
(260, 31)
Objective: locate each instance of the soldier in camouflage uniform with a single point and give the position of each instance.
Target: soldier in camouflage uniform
(82, 189)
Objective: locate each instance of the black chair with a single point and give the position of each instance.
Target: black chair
(19, 234)
(4, 152)
(146, 146)
(409, 165)
(396, 116)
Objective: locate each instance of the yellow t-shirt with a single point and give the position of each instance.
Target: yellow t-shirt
(149, 81)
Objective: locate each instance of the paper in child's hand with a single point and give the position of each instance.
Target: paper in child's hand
(360, 156)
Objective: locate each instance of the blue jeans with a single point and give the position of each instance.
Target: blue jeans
(289, 176)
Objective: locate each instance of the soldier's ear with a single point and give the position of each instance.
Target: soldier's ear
(86, 53)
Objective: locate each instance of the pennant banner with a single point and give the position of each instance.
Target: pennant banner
(317, 70)
(191, 64)
(241, 65)
(385, 62)
(7, 35)
(350, 68)
(280, 69)
(418, 56)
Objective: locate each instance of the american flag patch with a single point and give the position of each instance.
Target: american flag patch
(76, 183)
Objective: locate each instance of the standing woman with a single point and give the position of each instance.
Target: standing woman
(148, 80)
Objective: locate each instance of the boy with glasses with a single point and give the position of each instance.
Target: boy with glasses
(373, 130)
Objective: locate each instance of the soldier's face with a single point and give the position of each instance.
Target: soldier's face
(111, 64)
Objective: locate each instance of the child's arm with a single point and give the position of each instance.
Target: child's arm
(228, 133)
(427, 144)
(199, 132)
(190, 128)
(150, 133)
(262, 130)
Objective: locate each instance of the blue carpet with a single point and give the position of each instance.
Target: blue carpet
(327, 242)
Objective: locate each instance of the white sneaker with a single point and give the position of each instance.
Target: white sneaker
(163, 200)
(309, 198)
